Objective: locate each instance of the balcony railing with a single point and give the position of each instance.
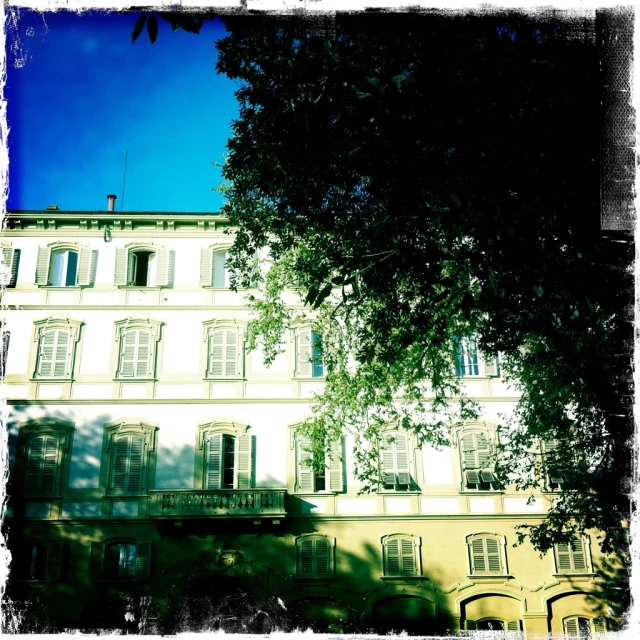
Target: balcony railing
(234, 503)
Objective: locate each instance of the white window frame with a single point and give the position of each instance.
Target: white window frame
(59, 430)
(488, 553)
(322, 556)
(117, 431)
(160, 274)
(212, 258)
(305, 364)
(41, 328)
(210, 330)
(85, 268)
(244, 465)
(122, 328)
(480, 365)
(401, 541)
(392, 466)
(304, 472)
(573, 556)
(98, 559)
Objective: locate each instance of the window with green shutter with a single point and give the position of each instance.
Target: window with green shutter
(54, 353)
(9, 264)
(572, 556)
(138, 343)
(124, 559)
(400, 555)
(229, 461)
(224, 354)
(42, 465)
(486, 555)
(395, 461)
(39, 561)
(466, 356)
(327, 476)
(583, 628)
(61, 264)
(475, 451)
(309, 362)
(127, 465)
(315, 556)
(144, 265)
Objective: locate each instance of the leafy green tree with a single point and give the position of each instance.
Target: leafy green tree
(419, 178)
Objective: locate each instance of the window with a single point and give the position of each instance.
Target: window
(9, 263)
(42, 446)
(229, 456)
(572, 556)
(308, 354)
(138, 348)
(486, 555)
(559, 475)
(328, 476)
(65, 265)
(39, 561)
(129, 445)
(126, 559)
(144, 265)
(225, 349)
(395, 460)
(493, 624)
(401, 555)
(315, 556)
(57, 340)
(467, 356)
(213, 267)
(583, 628)
(4, 348)
(476, 461)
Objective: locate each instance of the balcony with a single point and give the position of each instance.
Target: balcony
(227, 503)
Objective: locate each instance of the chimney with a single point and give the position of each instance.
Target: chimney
(112, 202)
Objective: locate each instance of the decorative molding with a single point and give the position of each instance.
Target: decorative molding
(220, 426)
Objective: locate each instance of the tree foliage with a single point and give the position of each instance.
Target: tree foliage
(417, 178)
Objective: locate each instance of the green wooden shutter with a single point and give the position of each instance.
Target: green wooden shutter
(121, 273)
(563, 554)
(46, 355)
(407, 551)
(304, 466)
(303, 344)
(216, 353)
(164, 267)
(478, 559)
(393, 557)
(492, 367)
(86, 267)
(54, 561)
(136, 452)
(143, 560)
(322, 557)
(387, 456)
(128, 465)
(206, 267)
(120, 464)
(336, 475)
(214, 461)
(306, 557)
(401, 447)
(128, 354)
(571, 627)
(96, 561)
(144, 356)
(513, 625)
(231, 354)
(494, 565)
(42, 464)
(246, 461)
(599, 625)
(469, 456)
(42, 265)
(62, 354)
(471, 625)
(483, 449)
(10, 257)
(578, 553)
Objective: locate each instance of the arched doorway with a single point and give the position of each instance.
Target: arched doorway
(322, 615)
(492, 612)
(408, 613)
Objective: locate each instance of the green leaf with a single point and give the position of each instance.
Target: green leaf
(456, 201)
(538, 290)
(492, 280)
(362, 94)
(312, 294)
(399, 78)
(152, 27)
(137, 29)
(323, 295)
(374, 81)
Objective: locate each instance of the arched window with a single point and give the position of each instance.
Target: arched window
(225, 349)
(129, 444)
(144, 265)
(314, 554)
(43, 444)
(138, 348)
(401, 555)
(396, 460)
(63, 264)
(228, 460)
(213, 266)
(57, 344)
(120, 559)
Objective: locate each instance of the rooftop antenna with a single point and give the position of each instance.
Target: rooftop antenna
(124, 178)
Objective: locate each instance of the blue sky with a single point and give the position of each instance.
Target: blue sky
(80, 94)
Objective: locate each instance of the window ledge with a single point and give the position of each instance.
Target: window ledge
(416, 578)
(62, 288)
(310, 379)
(392, 492)
(135, 379)
(576, 574)
(326, 492)
(316, 578)
(51, 379)
(482, 492)
(125, 496)
(485, 576)
(229, 379)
